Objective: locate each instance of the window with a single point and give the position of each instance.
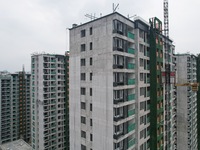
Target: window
(90, 91)
(142, 91)
(90, 122)
(82, 47)
(141, 77)
(141, 134)
(90, 107)
(83, 33)
(90, 30)
(82, 91)
(82, 62)
(142, 120)
(83, 134)
(90, 76)
(90, 45)
(83, 76)
(83, 120)
(91, 137)
(142, 105)
(90, 61)
(141, 62)
(83, 147)
(82, 105)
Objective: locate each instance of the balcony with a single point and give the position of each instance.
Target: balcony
(130, 35)
(131, 142)
(131, 51)
(131, 112)
(118, 100)
(131, 81)
(131, 127)
(131, 97)
(118, 134)
(118, 66)
(131, 66)
(118, 83)
(118, 117)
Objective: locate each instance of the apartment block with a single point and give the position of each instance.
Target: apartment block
(163, 96)
(49, 101)
(15, 107)
(186, 65)
(110, 84)
(117, 97)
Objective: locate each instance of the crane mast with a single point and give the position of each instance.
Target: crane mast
(166, 18)
(168, 72)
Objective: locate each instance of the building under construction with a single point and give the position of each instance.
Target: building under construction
(124, 71)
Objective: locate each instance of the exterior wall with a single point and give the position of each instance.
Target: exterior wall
(103, 85)
(48, 102)
(143, 81)
(186, 103)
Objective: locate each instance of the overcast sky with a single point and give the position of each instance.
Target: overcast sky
(28, 26)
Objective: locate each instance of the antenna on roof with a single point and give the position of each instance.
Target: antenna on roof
(129, 17)
(92, 17)
(115, 7)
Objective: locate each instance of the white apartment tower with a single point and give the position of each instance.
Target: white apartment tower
(186, 102)
(48, 102)
(109, 84)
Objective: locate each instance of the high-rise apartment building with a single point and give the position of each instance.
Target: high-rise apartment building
(186, 102)
(198, 102)
(163, 96)
(15, 107)
(112, 105)
(48, 103)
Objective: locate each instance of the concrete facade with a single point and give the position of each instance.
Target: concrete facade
(186, 102)
(48, 102)
(105, 106)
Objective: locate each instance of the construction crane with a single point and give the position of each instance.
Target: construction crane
(195, 86)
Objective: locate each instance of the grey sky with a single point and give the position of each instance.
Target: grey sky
(28, 26)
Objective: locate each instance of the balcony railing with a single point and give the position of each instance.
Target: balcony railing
(130, 35)
(131, 97)
(118, 100)
(131, 112)
(131, 66)
(118, 117)
(131, 142)
(131, 127)
(118, 134)
(131, 51)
